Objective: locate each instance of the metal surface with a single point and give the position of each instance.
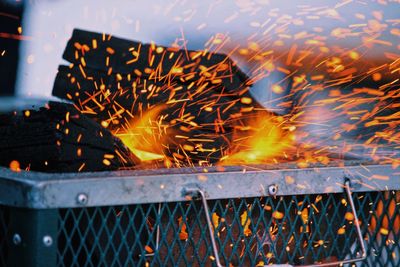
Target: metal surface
(157, 234)
(257, 217)
(36, 230)
(47, 240)
(82, 199)
(359, 236)
(334, 263)
(272, 190)
(8, 104)
(246, 232)
(17, 239)
(210, 226)
(47, 190)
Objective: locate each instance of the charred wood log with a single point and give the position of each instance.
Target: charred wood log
(57, 138)
(204, 96)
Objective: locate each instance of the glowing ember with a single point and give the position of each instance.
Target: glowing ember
(15, 166)
(245, 222)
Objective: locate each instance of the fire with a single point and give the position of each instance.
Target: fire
(337, 86)
(144, 136)
(262, 141)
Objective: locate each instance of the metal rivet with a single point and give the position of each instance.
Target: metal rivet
(272, 190)
(16, 239)
(47, 240)
(82, 199)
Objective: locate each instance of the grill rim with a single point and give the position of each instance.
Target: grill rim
(37, 190)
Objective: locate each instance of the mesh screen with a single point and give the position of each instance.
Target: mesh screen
(249, 232)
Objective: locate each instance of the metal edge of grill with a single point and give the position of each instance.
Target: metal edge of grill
(67, 190)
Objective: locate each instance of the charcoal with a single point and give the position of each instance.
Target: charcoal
(57, 138)
(103, 86)
(86, 92)
(117, 55)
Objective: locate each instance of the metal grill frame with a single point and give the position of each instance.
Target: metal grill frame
(36, 197)
(68, 190)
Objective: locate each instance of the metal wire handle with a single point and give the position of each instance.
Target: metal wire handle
(157, 234)
(334, 263)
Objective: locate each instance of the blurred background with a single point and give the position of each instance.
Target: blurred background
(34, 33)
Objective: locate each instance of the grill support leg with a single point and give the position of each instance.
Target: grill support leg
(33, 238)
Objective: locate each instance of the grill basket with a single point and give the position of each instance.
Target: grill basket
(191, 218)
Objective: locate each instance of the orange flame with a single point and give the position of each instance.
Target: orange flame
(144, 136)
(261, 141)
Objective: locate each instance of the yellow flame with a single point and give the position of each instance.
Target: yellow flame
(144, 136)
(260, 142)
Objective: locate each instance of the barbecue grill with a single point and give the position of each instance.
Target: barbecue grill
(273, 146)
(240, 216)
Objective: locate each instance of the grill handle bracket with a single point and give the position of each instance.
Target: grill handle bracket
(201, 194)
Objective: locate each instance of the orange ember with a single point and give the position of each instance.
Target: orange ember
(15, 166)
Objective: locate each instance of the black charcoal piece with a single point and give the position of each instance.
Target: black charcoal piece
(107, 85)
(112, 54)
(57, 138)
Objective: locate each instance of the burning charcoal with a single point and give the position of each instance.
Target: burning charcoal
(57, 138)
(200, 99)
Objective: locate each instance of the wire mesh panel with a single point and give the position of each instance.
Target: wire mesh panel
(249, 232)
(383, 233)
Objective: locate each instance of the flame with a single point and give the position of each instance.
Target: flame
(144, 136)
(263, 140)
(340, 85)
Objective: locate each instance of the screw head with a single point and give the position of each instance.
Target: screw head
(16, 239)
(272, 189)
(47, 240)
(82, 199)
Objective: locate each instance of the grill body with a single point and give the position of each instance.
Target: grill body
(299, 226)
